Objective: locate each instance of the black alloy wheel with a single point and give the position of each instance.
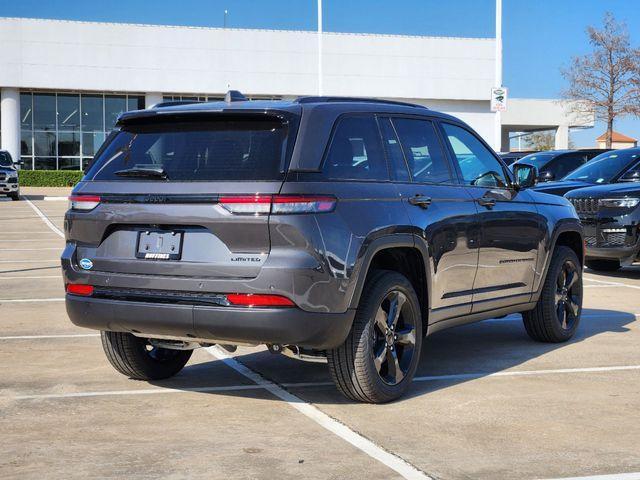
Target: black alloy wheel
(568, 295)
(394, 338)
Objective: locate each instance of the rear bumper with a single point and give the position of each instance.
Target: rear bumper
(286, 326)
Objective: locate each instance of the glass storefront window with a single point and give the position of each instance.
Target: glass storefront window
(26, 111)
(69, 164)
(113, 107)
(92, 113)
(27, 163)
(91, 141)
(135, 102)
(68, 144)
(26, 142)
(44, 144)
(44, 111)
(69, 112)
(41, 163)
(64, 130)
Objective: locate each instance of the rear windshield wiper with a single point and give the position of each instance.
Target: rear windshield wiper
(143, 171)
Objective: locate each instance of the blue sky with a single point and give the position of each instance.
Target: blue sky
(540, 36)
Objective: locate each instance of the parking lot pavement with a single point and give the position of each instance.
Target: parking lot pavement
(487, 402)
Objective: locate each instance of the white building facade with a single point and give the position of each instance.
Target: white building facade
(63, 83)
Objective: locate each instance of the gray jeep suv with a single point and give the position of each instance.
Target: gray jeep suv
(330, 229)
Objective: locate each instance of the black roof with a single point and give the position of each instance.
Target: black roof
(313, 116)
(295, 107)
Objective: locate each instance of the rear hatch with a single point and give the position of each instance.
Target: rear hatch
(182, 195)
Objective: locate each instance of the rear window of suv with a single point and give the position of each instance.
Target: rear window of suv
(213, 150)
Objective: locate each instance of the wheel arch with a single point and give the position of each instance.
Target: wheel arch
(567, 233)
(402, 254)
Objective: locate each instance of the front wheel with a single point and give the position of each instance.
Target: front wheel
(14, 196)
(379, 358)
(137, 358)
(557, 313)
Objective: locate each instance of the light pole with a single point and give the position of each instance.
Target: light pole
(497, 139)
(226, 12)
(319, 47)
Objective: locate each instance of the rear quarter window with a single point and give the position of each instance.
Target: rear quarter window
(216, 150)
(355, 151)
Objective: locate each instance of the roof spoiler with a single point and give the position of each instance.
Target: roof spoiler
(234, 96)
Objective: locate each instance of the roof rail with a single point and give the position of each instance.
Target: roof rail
(311, 99)
(173, 103)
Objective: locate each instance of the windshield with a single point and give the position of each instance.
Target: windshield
(5, 160)
(605, 167)
(219, 149)
(538, 160)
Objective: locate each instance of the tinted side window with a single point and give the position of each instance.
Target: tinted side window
(394, 151)
(422, 150)
(565, 164)
(477, 164)
(356, 151)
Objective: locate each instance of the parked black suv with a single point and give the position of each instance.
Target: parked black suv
(8, 176)
(610, 167)
(610, 215)
(325, 228)
(557, 164)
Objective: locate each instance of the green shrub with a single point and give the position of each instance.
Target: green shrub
(49, 178)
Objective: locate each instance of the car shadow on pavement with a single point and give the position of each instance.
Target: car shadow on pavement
(630, 272)
(479, 349)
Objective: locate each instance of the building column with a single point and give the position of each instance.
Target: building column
(10, 111)
(151, 98)
(505, 142)
(562, 137)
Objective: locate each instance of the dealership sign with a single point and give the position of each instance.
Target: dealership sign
(498, 99)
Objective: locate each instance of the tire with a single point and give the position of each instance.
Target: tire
(352, 366)
(15, 196)
(603, 265)
(557, 313)
(137, 359)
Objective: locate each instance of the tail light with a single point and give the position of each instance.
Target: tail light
(257, 300)
(80, 289)
(83, 202)
(277, 204)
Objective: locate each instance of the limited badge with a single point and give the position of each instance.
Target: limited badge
(86, 264)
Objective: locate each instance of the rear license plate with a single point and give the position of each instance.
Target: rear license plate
(159, 245)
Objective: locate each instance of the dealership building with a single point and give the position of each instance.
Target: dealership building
(64, 83)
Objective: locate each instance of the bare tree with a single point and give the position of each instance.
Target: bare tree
(540, 141)
(607, 80)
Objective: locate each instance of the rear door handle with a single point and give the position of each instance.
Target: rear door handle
(420, 201)
(487, 202)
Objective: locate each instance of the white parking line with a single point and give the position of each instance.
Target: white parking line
(44, 337)
(29, 300)
(613, 284)
(38, 277)
(519, 373)
(430, 378)
(44, 218)
(148, 391)
(365, 445)
(613, 476)
(517, 318)
(29, 249)
(49, 260)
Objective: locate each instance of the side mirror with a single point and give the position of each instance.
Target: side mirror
(526, 175)
(546, 176)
